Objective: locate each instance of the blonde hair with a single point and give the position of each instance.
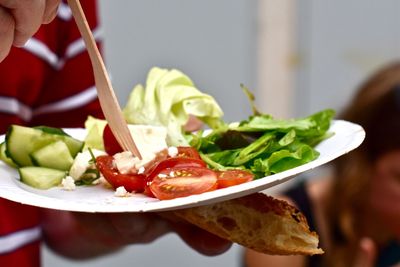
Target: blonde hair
(376, 107)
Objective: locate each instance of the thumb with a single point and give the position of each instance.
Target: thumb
(366, 254)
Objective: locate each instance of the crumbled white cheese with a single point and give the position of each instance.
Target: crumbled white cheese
(149, 139)
(161, 175)
(121, 192)
(68, 183)
(172, 174)
(125, 162)
(172, 151)
(141, 170)
(82, 162)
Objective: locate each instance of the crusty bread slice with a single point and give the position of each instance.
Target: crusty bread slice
(258, 222)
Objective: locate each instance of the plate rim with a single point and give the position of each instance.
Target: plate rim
(10, 186)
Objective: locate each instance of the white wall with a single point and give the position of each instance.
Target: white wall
(340, 43)
(211, 41)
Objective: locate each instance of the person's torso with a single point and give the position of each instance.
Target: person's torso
(20, 235)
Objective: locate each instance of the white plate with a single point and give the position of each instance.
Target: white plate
(347, 136)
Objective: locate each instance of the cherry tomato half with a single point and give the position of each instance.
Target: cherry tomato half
(233, 177)
(111, 145)
(162, 163)
(183, 181)
(131, 182)
(171, 163)
(188, 152)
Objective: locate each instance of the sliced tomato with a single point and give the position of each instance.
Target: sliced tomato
(233, 177)
(131, 182)
(148, 192)
(111, 145)
(177, 182)
(161, 162)
(171, 163)
(188, 152)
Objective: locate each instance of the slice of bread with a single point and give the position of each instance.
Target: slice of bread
(258, 222)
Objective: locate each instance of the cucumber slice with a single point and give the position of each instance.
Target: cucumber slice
(55, 156)
(51, 130)
(41, 177)
(22, 141)
(4, 157)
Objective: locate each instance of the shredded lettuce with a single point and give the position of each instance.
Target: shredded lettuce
(167, 100)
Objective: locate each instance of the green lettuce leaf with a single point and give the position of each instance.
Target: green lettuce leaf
(263, 144)
(314, 125)
(285, 159)
(94, 137)
(167, 100)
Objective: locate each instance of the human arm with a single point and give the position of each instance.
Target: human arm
(86, 235)
(21, 19)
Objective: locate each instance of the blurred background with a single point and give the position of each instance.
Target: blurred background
(296, 58)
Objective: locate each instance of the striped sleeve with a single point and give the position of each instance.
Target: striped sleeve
(50, 80)
(19, 235)
(70, 93)
(47, 82)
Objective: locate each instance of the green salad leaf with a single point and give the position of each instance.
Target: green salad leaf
(261, 144)
(168, 99)
(264, 145)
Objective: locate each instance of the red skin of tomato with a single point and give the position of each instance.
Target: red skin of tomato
(171, 163)
(131, 182)
(188, 157)
(111, 145)
(233, 177)
(177, 182)
(157, 167)
(188, 152)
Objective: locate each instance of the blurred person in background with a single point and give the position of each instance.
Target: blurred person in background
(47, 79)
(356, 212)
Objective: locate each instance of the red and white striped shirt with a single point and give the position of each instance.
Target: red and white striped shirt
(47, 82)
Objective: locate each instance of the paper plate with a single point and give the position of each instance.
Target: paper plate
(347, 136)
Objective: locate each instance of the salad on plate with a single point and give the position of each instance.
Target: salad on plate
(175, 163)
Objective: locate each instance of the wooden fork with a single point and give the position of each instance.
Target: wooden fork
(108, 100)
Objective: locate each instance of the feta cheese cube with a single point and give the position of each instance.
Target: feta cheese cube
(68, 183)
(172, 151)
(125, 162)
(149, 140)
(121, 192)
(82, 163)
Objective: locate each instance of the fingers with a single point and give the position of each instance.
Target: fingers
(6, 32)
(28, 16)
(202, 241)
(147, 227)
(51, 11)
(193, 124)
(139, 227)
(198, 239)
(367, 253)
(20, 20)
(126, 228)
